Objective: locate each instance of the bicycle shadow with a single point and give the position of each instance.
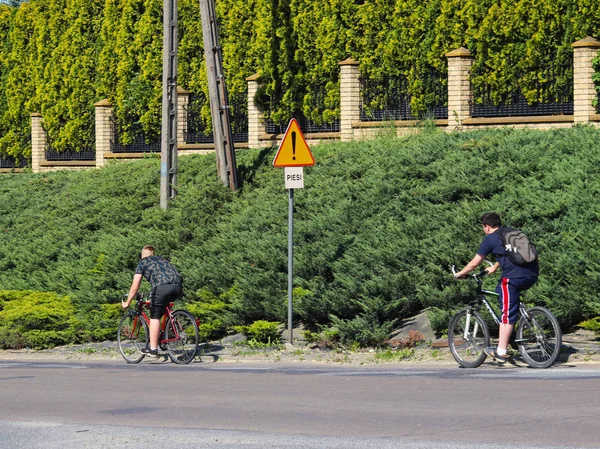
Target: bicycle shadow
(208, 352)
(205, 352)
(517, 361)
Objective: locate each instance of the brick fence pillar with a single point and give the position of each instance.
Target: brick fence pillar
(459, 86)
(104, 130)
(38, 142)
(256, 121)
(349, 98)
(183, 101)
(584, 91)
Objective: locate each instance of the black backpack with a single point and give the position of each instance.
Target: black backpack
(519, 248)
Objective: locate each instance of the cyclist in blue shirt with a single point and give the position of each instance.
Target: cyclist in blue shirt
(166, 287)
(515, 279)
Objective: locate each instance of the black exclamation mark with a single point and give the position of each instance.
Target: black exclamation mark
(294, 145)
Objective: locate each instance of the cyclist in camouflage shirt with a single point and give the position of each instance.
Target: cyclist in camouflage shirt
(166, 287)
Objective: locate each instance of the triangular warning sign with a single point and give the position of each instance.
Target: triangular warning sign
(293, 150)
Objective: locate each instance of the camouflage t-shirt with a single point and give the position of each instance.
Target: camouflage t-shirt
(158, 271)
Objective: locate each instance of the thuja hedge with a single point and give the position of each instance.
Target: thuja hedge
(60, 56)
(35, 320)
(40, 320)
(377, 229)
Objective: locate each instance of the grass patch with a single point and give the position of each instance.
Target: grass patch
(390, 355)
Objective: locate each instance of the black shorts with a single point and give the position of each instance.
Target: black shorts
(161, 296)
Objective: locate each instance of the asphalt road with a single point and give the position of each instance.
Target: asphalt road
(112, 405)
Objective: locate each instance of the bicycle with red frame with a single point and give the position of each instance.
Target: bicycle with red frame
(179, 332)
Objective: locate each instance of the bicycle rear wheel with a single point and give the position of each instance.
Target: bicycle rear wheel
(467, 337)
(539, 337)
(132, 337)
(183, 331)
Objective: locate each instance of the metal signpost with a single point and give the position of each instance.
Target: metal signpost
(293, 154)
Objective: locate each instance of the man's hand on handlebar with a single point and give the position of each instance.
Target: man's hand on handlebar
(457, 275)
(491, 269)
(483, 271)
(124, 301)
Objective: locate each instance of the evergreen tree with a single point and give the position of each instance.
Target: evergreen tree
(108, 58)
(60, 56)
(6, 19)
(68, 105)
(137, 50)
(20, 84)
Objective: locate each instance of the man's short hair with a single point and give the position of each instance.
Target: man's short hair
(148, 248)
(491, 219)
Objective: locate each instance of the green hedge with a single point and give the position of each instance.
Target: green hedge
(376, 229)
(59, 57)
(39, 320)
(36, 320)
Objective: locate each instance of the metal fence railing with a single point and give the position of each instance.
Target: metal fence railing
(86, 155)
(306, 125)
(140, 143)
(552, 88)
(519, 107)
(389, 99)
(198, 128)
(319, 104)
(11, 162)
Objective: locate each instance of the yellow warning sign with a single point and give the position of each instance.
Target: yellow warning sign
(293, 151)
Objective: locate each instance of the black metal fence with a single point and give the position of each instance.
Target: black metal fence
(11, 162)
(140, 143)
(519, 107)
(317, 102)
(553, 90)
(306, 125)
(389, 99)
(85, 155)
(198, 128)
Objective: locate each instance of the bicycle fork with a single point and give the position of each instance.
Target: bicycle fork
(467, 334)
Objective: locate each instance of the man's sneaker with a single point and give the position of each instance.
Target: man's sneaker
(492, 352)
(150, 352)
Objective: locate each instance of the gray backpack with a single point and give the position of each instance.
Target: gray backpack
(519, 248)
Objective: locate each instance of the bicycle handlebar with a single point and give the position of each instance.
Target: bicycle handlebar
(482, 272)
(139, 296)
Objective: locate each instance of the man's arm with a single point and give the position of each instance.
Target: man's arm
(135, 286)
(475, 262)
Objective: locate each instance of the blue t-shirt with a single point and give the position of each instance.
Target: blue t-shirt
(492, 244)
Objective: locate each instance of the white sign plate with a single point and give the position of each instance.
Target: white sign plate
(294, 177)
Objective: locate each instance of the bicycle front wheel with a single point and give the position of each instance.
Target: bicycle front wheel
(181, 337)
(539, 337)
(468, 335)
(132, 337)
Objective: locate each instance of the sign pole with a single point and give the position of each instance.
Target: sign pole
(293, 155)
(290, 263)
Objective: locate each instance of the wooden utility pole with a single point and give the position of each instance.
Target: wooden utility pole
(168, 142)
(217, 91)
